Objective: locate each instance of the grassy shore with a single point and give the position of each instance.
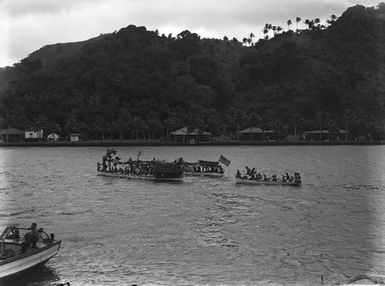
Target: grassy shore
(107, 143)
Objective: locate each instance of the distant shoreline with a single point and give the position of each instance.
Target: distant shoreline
(107, 143)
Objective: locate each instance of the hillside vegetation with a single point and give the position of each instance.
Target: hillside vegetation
(136, 83)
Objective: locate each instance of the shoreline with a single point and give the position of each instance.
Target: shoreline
(108, 143)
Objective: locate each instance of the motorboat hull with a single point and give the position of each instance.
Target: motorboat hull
(27, 260)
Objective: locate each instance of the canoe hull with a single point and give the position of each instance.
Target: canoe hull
(270, 183)
(25, 261)
(138, 177)
(207, 174)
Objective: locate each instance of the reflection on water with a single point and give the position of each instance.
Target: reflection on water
(202, 231)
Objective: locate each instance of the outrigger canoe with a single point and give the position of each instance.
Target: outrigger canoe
(262, 182)
(16, 256)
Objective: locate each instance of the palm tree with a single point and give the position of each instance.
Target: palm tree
(288, 24)
(317, 22)
(274, 28)
(333, 18)
(250, 40)
(307, 22)
(297, 19)
(265, 32)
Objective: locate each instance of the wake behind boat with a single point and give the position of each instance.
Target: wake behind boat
(23, 248)
(153, 170)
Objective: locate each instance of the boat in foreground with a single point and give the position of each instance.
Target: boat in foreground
(17, 255)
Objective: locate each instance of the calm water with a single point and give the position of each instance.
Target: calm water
(202, 231)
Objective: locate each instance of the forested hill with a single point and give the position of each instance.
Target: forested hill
(135, 83)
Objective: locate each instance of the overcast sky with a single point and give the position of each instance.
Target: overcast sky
(27, 25)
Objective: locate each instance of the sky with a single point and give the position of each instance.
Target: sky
(27, 25)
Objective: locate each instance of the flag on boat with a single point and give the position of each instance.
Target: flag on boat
(139, 153)
(224, 161)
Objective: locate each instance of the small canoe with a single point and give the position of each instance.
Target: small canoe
(262, 182)
(16, 256)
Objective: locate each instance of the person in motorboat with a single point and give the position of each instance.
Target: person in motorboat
(238, 174)
(32, 237)
(274, 177)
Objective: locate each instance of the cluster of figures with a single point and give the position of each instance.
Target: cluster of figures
(113, 164)
(199, 167)
(252, 174)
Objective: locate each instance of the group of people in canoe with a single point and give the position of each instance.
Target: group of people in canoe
(252, 174)
(203, 168)
(113, 164)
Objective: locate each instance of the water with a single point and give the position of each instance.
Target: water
(203, 231)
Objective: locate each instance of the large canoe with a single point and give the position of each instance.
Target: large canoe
(16, 256)
(139, 177)
(262, 182)
(203, 174)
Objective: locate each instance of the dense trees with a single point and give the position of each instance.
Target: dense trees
(138, 84)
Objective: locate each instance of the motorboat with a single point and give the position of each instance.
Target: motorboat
(17, 255)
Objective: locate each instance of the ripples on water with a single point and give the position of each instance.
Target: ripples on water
(202, 231)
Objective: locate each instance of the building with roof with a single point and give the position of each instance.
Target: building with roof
(12, 135)
(33, 135)
(53, 137)
(256, 134)
(325, 135)
(182, 135)
(74, 137)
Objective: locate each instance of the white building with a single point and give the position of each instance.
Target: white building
(33, 135)
(74, 137)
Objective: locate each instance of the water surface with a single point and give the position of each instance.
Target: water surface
(203, 231)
